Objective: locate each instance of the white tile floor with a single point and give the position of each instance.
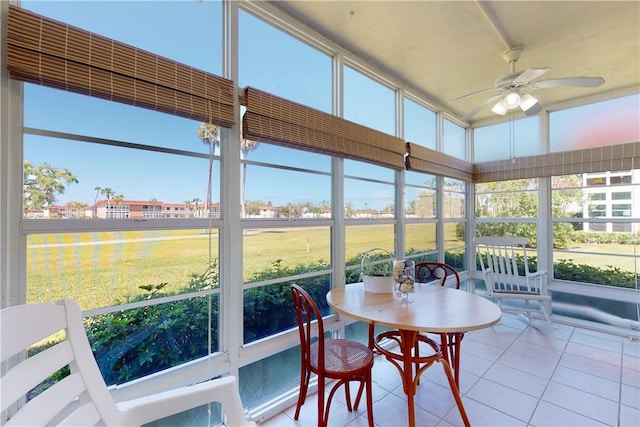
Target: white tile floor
(512, 375)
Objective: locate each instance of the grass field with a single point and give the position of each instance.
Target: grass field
(100, 269)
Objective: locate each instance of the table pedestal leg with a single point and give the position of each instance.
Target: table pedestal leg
(404, 362)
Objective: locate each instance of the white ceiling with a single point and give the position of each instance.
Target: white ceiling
(446, 49)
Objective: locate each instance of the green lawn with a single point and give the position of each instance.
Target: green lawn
(100, 269)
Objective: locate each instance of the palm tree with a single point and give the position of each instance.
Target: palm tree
(108, 193)
(95, 201)
(187, 205)
(208, 134)
(154, 202)
(196, 201)
(246, 145)
(118, 198)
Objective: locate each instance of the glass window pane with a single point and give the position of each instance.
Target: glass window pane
(265, 61)
(293, 250)
(454, 143)
(281, 193)
(57, 110)
(368, 102)
(454, 199)
(454, 244)
(268, 308)
(601, 256)
(362, 238)
(368, 171)
(616, 121)
(102, 269)
(421, 202)
(129, 183)
(507, 199)
(517, 138)
(419, 124)
(283, 156)
(137, 342)
(365, 199)
(420, 238)
(173, 24)
(420, 179)
(270, 377)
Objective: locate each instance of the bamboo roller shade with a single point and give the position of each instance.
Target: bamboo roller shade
(422, 159)
(588, 160)
(277, 120)
(51, 53)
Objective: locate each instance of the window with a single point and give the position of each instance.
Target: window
(515, 138)
(621, 195)
(597, 180)
(421, 213)
(621, 209)
(264, 55)
(419, 124)
(602, 249)
(454, 142)
(368, 102)
(596, 125)
(507, 208)
(454, 216)
(620, 179)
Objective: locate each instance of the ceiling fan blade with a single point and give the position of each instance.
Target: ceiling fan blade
(529, 74)
(568, 81)
(472, 93)
(480, 106)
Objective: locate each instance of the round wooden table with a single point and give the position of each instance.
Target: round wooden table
(434, 309)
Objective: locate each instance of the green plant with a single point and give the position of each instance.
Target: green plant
(377, 262)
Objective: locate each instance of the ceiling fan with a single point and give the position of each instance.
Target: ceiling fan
(511, 88)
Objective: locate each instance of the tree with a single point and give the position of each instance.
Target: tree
(108, 193)
(95, 201)
(519, 199)
(43, 184)
(74, 208)
(246, 145)
(153, 202)
(118, 198)
(208, 134)
(196, 203)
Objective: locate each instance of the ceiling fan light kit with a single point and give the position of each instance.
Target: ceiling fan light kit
(499, 108)
(512, 99)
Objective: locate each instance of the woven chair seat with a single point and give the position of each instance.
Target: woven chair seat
(342, 356)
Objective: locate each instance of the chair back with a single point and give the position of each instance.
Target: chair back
(81, 398)
(306, 312)
(498, 257)
(430, 271)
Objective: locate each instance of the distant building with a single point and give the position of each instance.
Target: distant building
(139, 209)
(611, 195)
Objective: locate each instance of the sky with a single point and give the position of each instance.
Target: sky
(270, 61)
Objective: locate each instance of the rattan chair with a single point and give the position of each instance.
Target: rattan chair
(330, 359)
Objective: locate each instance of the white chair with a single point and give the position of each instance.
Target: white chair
(498, 258)
(82, 398)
